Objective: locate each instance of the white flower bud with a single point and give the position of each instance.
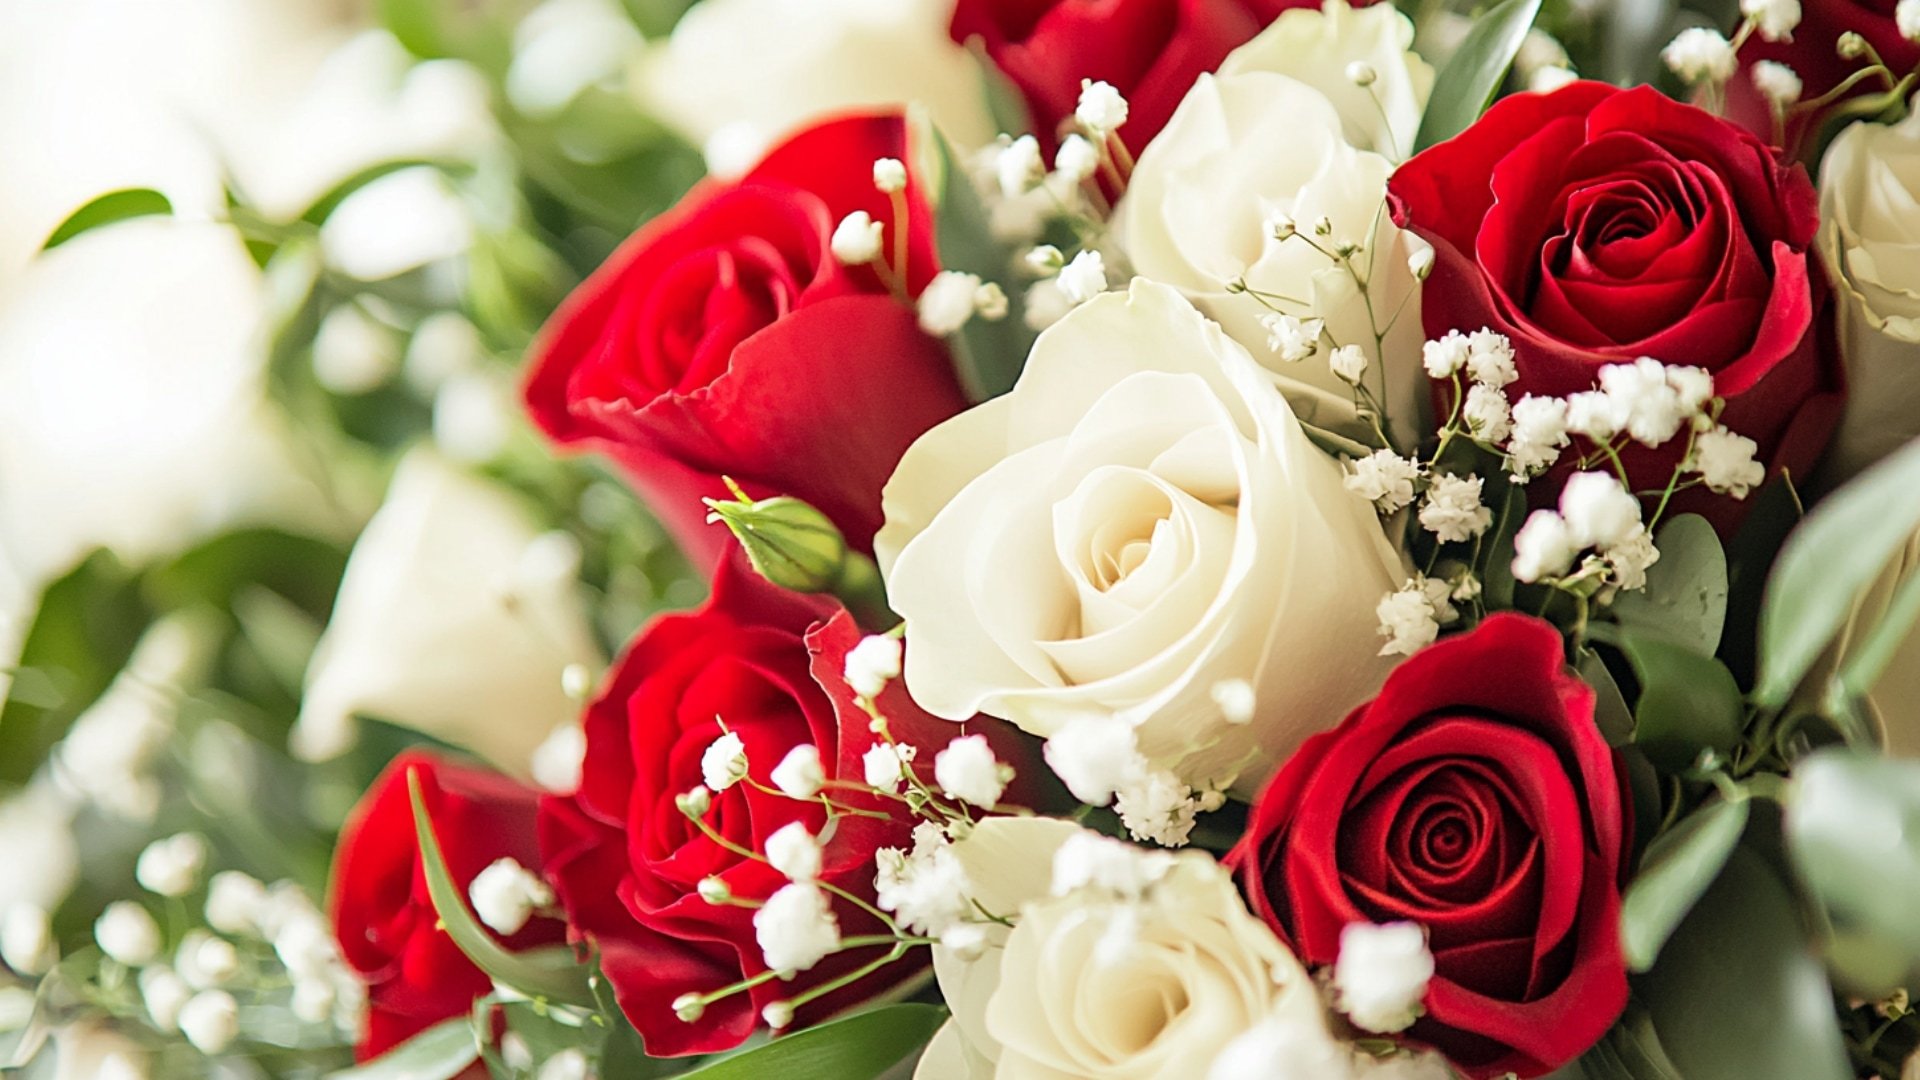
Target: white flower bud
(967, 941)
(1420, 262)
(1543, 547)
(800, 774)
(714, 890)
(505, 895)
(1361, 73)
(1077, 159)
(210, 1021)
(778, 1015)
(164, 994)
(1906, 19)
(568, 1064)
(689, 1007)
(1101, 109)
(794, 852)
(948, 302)
(1018, 166)
(1598, 511)
(1700, 55)
(872, 664)
(1235, 700)
(1775, 19)
(889, 175)
(1084, 278)
(557, 760)
(1778, 83)
(967, 770)
(235, 902)
(990, 302)
(856, 240)
(695, 803)
(171, 867)
(205, 961)
(795, 928)
(724, 763)
(127, 933)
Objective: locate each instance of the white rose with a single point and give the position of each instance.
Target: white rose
(1870, 239)
(1275, 133)
(1140, 519)
(1054, 996)
(456, 616)
(1892, 703)
(737, 75)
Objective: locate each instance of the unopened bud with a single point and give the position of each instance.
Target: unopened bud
(715, 891)
(778, 1015)
(689, 1007)
(788, 542)
(695, 803)
(1361, 73)
(1851, 46)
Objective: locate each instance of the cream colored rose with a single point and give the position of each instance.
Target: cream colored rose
(456, 617)
(1094, 984)
(737, 75)
(1870, 239)
(1893, 702)
(1283, 130)
(1140, 520)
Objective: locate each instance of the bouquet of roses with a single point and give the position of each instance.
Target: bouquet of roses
(1233, 550)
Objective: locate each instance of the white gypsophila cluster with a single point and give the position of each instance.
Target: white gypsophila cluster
(889, 175)
(1486, 413)
(1020, 214)
(1102, 109)
(1645, 400)
(204, 961)
(872, 664)
(927, 887)
(724, 762)
(1725, 462)
(1777, 82)
(27, 944)
(1082, 278)
(1077, 159)
(1906, 19)
(795, 852)
(800, 774)
(1700, 55)
(1155, 805)
(325, 989)
(1597, 513)
(1536, 435)
(1291, 338)
(1099, 760)
(966, 770)
(1381, 975)
(1411, 617)
(1235, 699)
(505, 895)
(1348, 362)
(856, 240)
(947, 303)
(1452, 509)
(171, 866)
(885, 765)
(1384, 478)
(796, 928)
(1111, 872)
(1774, 19)
(1018, 165)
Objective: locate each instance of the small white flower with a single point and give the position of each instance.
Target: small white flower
(1452, 509)
(1235, 700)
(1361, 73)
(689, 1007)
(1631, 557)
(1598, 511)
(1490, 358)
(1906, 19)
(795, 852)
(1077, 158)
(927, 888)
(1420, 262)
(1698, 54)
(1292, 339)
(1084, 278)
(235, 902)
(26, 939)
(127, 933)
(889, 175)
(1281, 226)
(872, 664)
(1093, 755)
(778, 1015)
(1591, 413)
(1381, 975)
(210, 1021)
(1443, 357)
(696, 802)
(856, 240)
(568, 1064)
(1410, 618)
(1101, 108)
(1775, 19)
(1156, 807)
(1543, 547)
(885, 765)
(990, 301)
(1018, 166)
(204, 960)
(171, 867)
(1349, 363)
(576, 681)
(966, 770)
(796, 928)
(724, 763)
(714, 890)
(1045, 304)
(800, 774)
(1487, 414)
(947, 302)
(1539, 432)
(1693, 386)
(968, 941)
(557, 760)
(1088, 860)
(1777, 82)
(1647, 405)
(1725, 461)
(1044, 259)
(1385, 478)
(505, 895)
(164, 994)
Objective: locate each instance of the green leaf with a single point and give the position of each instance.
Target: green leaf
(1497, 576)
(1687, 703)
(445, 30)
(655, 18)
(1686, 595)
(1474, 74)
(1678, 869)
(82, 634)
(1610, 711)
(107, 209)
(1853, 833)
(858, 1047)
(1737, 994)
(551, 974)
(1834, 555)
(439, 1053)
(303, 569)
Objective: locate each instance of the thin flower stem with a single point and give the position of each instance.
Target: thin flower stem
(899, 950)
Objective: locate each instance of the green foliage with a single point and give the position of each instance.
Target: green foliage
(1853, 832)
(1471, 78)
(857, 1047)
(107, 209)
(1685, 599)
(1677, 870)
(439, 1053)
(1687, 702)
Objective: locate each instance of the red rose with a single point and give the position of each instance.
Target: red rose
(627, 863)
(382, 916)
(1594, 226)
(1149, 50)
(1813, 55)
(1475, 797)
(725, 338)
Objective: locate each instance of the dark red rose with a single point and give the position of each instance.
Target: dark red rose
(1149, 50)
(1593, 226)
(1475, 797)
(627, 863)
(725, 338)
(1813, 55)
(382, 916)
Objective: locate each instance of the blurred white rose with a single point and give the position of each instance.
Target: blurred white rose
(737, 75)
(90, 1050)
(1870, 239)
(1139, 520)
(456, 616)
(1893, 702)
(1282, 136)
(37, 847)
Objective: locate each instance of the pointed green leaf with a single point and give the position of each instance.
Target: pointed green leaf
(1687, 703)
(1678, 869)
(857, 1047)
(1474, 74)
(439, 1053)
(107, 209)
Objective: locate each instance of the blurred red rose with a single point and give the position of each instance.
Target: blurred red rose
(627, 864)
(382, 916)
(725, 338)
(1484, 807)
(1593, 226)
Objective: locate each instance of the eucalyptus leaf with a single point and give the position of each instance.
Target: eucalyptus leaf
(1687, 702)
(107, 209)
(1685, 599)
(1839, 550)
(441, 1052)
(1476, 70)
(857, 1047)
(550, 974)
(1853, 833)
(1678, 869)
